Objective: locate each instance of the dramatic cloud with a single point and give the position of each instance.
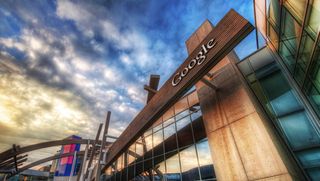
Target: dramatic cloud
(64, 64)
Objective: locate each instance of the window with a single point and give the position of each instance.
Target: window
(296, 7)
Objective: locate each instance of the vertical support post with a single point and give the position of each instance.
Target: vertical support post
(104, 137)
(94, 147)
(83, 167)
(14, 148)
(73, 165)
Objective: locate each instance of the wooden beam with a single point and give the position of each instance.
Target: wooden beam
(153, 86)
(149, 89)
(222, 39)
(10, 153)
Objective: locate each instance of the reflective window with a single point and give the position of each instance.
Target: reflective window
(205, 161)
(286, 110)
(313, 81)
(298, 124)
(306, 49)
(313, 22)
(296, 7)
(168, 150)
(189, 164)
(274, 12)
(173, 167)
(291, 30)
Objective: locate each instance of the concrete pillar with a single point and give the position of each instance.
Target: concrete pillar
(242, 143)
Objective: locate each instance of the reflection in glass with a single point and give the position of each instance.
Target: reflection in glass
(306, 49)
(314, 23)
(298, 123)
(296, 7)
(274, 12)
(182, 114)
(286, 110)
(310, 157)
(173, 167)
(168, 121)
(205, 161)
(189, 164)
(183, 122)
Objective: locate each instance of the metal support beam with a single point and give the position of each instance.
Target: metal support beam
(83, 166)
(10, 161)
(209, 84)
(104, 138)
(14, 148)
(149, 89)
(110, 136)
(93, 149)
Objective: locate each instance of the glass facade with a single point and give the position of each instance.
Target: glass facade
(295, 24)
(285, 109)
(174, 148)
(299, 51)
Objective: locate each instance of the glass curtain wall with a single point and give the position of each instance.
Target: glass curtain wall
(295, 23)
(174, 148)
(285, 109)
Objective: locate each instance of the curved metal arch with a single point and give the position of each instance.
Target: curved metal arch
(11, 153)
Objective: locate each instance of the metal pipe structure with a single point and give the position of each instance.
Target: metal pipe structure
(93, 150)
(103, 144)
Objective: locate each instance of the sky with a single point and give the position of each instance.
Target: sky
(64, 64)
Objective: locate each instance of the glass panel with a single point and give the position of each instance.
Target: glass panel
(273, 36)
(288, 56)
(193, 98)
(167, 122)
(314, 23)
(313, 95)
(170, 138)
(157, 125)
(181, 105)
(314, 173)
(298, 130)
(310, 157)
(158, 143)
(306, 50)
(139, 147)
(185, 137)
(148, 141)
(296, 7)
(159, 170)
(173, 167)
(205, 160)
(285, 104)
(189, 164)
(183, 122)
(182, 114)
(313, 81)
(274, 12)
(196, 112)
(291, 30)
(299, 74)
(157, 138)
